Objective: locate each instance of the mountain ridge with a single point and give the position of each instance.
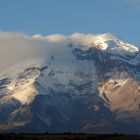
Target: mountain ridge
(79, 83)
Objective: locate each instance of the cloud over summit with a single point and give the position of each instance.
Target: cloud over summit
(15, 46)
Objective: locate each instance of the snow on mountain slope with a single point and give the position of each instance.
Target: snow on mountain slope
(114, 92)
(87, 83)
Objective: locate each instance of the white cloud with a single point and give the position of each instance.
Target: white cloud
(50, 38)
(15, 46)
(56, 38)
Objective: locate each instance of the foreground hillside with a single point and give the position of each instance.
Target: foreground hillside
(68, 137)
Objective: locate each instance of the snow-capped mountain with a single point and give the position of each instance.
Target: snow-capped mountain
(76, 83)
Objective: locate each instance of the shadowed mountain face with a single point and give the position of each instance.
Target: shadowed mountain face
(89, 84)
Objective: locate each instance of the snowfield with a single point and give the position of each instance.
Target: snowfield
(77, 83)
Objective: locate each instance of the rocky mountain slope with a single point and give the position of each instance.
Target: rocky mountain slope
(76, 83)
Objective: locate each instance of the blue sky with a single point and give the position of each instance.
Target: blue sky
(120, 17)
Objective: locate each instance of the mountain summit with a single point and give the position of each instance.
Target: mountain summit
(77, 83)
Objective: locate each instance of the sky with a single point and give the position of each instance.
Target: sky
(119, 17)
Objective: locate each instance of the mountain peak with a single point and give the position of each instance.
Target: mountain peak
(53, 80)
(107, 42)
(108, 36)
